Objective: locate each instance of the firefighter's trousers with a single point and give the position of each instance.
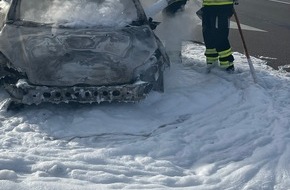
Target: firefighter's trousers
(215, 24)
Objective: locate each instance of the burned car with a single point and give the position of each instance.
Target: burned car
(78, 51)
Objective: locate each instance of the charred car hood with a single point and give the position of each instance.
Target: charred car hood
(67, 57)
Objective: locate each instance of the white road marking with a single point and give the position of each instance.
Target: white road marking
(277, 1)
(234, 25)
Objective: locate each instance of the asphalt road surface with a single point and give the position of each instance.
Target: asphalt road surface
(266, 28)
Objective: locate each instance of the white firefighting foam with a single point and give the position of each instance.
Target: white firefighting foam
(80, 13)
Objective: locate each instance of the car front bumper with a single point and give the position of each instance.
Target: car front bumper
(25, 93)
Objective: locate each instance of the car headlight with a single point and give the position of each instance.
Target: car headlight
(148, 70)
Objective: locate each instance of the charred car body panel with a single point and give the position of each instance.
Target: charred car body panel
(60, 62)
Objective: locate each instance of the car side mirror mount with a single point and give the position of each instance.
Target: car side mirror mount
(153, 24)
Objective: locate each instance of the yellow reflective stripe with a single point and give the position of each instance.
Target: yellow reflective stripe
(218, 2)
(211, 59)
(225, 64)
(225, 53)
(211, 51)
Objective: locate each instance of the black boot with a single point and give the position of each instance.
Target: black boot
(230, 69)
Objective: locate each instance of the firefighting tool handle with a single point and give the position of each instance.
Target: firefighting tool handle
(252, 69)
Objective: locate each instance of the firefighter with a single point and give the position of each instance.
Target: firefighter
(215, 23)
(215, 27)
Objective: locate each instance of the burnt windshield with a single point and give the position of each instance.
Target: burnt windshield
(83, 13)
